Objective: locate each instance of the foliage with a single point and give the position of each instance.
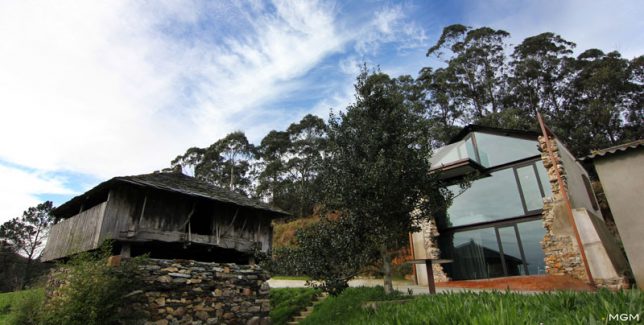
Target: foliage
(93, 292)
(287, 302)
(291, 163)
(27, 235)
(330, 252)
(226, 163)
(480, 308)
(591, 101)
(376, 172)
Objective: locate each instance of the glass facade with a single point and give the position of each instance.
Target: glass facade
(487, 199)
(497, 150)
(491, 229)
(495, 251)
(463, 149)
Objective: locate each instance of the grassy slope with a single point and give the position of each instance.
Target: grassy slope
(480, 308)
(284, 233)
(286, 302)
(7, 300)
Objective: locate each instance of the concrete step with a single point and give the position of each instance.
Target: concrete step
(292, 323)
(305, 313)
(299, 318)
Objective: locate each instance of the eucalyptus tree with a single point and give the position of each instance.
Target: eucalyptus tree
(475, 71)
(226, 163)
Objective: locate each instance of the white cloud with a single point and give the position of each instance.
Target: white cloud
(20, 190)
(108, 88)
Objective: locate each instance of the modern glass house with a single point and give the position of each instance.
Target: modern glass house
(493, 228)
(523, 213)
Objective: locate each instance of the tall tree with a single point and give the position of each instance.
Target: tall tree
(602, 98)
(291, 162)
(28, 234)
(376, 172)
(226, 163)
(539, 79)
(476, 68)
(308, 142)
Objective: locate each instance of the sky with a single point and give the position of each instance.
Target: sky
(91, 90)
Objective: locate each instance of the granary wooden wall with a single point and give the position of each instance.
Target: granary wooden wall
(140, 215)
(81, 233)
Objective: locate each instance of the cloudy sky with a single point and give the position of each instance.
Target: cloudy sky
(95, 89)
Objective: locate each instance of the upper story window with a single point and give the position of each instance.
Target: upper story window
(497, 150)
(511, 192)
(486, 149)
(456, 151)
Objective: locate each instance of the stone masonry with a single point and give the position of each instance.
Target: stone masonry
(190, 292)
(562, 255)
(430, 232)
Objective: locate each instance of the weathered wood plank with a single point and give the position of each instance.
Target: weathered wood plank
(75, 234)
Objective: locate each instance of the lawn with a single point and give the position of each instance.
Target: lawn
(7, 300)
(287, 302)
(494, 308)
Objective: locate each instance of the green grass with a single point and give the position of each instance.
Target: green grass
(287, 302)
(9, 299)
(494, 308)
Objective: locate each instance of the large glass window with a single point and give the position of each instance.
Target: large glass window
(494, 251)
(531, 234)
(496, 150)
(488, 199)
(506, 193)
(475, 254)
(530, 187)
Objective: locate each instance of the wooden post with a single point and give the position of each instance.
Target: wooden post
(430, 276)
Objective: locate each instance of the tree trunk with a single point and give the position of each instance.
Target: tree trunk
(386, 270)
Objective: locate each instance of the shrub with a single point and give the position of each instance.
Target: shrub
(330, 252)
(91, 292)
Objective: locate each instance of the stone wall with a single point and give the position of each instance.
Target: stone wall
(190, 292)
(562, 255)
(430, 232)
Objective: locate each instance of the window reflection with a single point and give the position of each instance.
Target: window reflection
(530, 187)
(490, 198)
(476, 254)
(532, 233)
(496, 150)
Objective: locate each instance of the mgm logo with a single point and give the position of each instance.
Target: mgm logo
(623, 317)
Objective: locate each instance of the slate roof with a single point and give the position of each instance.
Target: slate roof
(174, 182)
(616, 149)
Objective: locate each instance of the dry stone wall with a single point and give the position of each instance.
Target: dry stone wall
(562, 254)
(190, 292)
(430, 232)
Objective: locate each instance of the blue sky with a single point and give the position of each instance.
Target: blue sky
(95, 89)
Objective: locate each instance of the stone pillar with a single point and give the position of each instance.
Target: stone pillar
(562, 254)
(430, 232)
